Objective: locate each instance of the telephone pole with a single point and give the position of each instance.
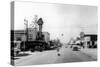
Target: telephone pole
(26, 29)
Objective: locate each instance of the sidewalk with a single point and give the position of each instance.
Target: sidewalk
(90, 52)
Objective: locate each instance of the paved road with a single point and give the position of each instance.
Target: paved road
(48, 57)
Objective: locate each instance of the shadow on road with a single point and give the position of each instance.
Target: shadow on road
(14, 58)
(23, 54)
(19, 56)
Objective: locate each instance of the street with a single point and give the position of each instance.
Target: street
(51, 57)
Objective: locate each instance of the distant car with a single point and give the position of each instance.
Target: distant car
(76, 48)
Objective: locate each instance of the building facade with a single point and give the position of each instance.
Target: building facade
(46, 36)
(21, 35)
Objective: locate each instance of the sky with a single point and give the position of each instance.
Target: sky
(59, 19)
